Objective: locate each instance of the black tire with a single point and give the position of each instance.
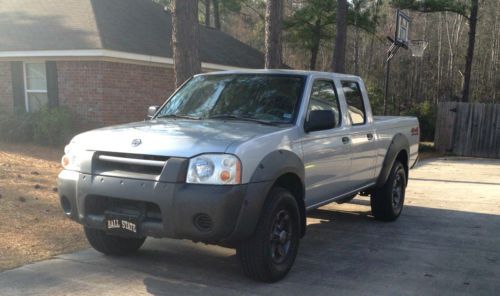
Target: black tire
(270, 253)
(112, 245)
(387, 201)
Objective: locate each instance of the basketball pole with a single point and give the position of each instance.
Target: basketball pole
(396, 43)
(386, 83)
(390, 54)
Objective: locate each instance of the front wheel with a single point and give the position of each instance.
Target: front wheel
(110, 244)
(387, 201)
(270, 253)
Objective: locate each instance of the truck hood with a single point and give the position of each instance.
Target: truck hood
(171, 137)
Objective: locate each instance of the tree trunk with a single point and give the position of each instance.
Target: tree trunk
(216, 14)
(356, 51)
(185, 40)
(274, 24)
(470, 49)
(207, 13)
(494, 56)
(338, 60)
(451, 56)
(315, 45)
(437, 96)
(314, 56)
(372, 40)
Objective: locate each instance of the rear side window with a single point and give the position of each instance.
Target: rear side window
(355, 104)
(324, 97)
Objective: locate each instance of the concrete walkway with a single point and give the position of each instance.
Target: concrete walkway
(447, 242)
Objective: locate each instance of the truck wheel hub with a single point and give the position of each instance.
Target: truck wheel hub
(281, 236)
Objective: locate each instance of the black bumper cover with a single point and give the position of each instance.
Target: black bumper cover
(233, 209)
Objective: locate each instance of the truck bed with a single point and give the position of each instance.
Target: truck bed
(388, 126)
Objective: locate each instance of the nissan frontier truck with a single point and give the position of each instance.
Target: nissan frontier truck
(238, 159)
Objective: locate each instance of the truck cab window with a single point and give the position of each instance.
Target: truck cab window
(354, 100)
(324, 97)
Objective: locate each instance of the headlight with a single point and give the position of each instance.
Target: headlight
(214, 169)
(71, 158)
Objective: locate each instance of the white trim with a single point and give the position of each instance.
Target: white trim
(26, 105)
(28, 91)
(104, 53)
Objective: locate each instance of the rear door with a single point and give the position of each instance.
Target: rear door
(363, 147)
(326, 153)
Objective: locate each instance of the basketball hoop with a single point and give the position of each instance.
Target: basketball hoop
(401, 39)
(418, 47)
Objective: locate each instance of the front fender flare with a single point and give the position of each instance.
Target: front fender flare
(276, 164)
(269, 169)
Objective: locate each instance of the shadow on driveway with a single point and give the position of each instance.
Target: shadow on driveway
(426, 252)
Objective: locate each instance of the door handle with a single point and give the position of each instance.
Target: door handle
(369, 136)
(346, 140)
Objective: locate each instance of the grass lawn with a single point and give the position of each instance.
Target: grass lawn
(32, 226)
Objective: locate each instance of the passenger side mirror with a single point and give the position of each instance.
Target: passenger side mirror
(152, 111)
(320, 120)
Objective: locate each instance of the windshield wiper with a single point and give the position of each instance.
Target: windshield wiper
(177, 116)
(234, 117)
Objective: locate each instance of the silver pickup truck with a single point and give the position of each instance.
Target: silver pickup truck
(237, 159)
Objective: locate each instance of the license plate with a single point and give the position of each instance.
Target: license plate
(122, 224)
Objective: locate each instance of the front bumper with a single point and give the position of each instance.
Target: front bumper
(232, 211)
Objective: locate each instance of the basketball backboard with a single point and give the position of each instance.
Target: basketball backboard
(402, 28)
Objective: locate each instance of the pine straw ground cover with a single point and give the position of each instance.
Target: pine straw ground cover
(32, 225)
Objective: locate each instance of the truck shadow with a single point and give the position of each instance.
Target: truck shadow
(355, 253)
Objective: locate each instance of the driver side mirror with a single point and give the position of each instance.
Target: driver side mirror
(152, 111)
(320, 120)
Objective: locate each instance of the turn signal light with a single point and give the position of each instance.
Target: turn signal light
(65, 161)
(225, 176)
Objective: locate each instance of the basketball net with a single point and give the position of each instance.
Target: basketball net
(417, 47)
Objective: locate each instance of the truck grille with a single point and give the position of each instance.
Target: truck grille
(120, 164)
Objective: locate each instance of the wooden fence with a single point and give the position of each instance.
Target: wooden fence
(468, 129)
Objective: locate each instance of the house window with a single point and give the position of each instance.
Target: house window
(35, 82)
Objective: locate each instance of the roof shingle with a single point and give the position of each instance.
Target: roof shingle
(134, 26)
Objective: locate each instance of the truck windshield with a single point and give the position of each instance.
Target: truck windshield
(268, 98)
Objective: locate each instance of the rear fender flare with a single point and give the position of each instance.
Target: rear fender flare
(399, 143)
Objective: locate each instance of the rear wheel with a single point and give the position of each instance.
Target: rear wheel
(112, 245)
(270, 253)
(387, 201)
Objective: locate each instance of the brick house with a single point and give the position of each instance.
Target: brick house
(105, 59)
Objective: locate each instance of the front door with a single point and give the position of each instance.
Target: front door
(327, 157)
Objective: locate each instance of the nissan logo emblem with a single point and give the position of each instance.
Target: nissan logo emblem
(136, 142)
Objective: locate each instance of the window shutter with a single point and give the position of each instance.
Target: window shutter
(52, 84)
(16, 70)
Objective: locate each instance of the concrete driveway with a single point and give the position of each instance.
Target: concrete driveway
(447, 242)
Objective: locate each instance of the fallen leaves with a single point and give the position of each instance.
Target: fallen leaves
(37, 228)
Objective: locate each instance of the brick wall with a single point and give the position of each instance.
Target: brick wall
(104, 93)
(6, 96)
(129, 89)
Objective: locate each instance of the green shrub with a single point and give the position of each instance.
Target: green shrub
(16, 127)
(426, 113)
(376, 96)
(426, 147)
(54, 126)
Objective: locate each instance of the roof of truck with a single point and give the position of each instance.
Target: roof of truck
(282, 71)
